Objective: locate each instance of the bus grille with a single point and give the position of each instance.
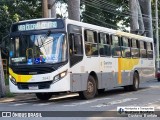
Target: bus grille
(38, 70)
(41, 85)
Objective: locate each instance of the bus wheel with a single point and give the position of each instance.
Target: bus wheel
(91, 89)
(44, 96)
(135, 85)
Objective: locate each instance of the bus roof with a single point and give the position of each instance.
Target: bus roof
(110, 31)
(95, 27)
(39, 19)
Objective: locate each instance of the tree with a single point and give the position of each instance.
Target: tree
(136, 21)
(52, 8)
(2, 80)
(45, 9)
(117, 13)
(74, 9)
(106, 13)
(147, 16)
(134, 16)
(140, 19)
(13, 11)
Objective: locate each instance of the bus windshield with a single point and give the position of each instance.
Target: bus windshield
(38, 48)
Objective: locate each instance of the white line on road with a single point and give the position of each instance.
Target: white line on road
(155, 104)
(87, 102)
(115, 102)
(42, 104)
(18, 104)
(21, 101)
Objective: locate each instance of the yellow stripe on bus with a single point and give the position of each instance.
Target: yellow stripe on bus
(20, 78)
(119, 71)
(125, 64)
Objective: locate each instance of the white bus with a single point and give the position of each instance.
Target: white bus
(50, 56)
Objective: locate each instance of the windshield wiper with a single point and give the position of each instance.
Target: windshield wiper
(42, 40)
(50, 40)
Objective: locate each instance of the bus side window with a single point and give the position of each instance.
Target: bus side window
(104, 44)
(116, 49)
(71, 40)
(143, 51)
(91, 43)
(149, 50)
(125, 47)
(76, 44)
(135, 48)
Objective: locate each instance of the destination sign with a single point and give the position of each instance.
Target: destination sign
(37, 25)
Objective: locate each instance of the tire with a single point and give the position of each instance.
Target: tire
(43, 96)
(91, 89)
(158, 79)
(135, 85)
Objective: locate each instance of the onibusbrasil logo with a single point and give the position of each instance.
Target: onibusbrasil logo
(120, 110)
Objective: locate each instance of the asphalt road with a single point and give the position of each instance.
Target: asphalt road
(147, 96)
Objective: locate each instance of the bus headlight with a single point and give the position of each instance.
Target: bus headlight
(13, 80)
(60, 76)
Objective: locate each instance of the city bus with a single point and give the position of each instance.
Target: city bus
(49, 56)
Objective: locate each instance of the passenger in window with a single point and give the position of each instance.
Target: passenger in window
(118, 53)
(88, 50)
(70, 50)
(127, 54)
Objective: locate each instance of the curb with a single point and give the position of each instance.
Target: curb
(18, 97)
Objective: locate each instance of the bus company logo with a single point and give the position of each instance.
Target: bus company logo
(32, 73)
(107, 63)
(120, 110)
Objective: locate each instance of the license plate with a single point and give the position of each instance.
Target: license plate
(33, 87)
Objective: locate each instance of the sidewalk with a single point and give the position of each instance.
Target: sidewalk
(17, 97)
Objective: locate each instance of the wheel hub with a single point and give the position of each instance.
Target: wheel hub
(90, 87)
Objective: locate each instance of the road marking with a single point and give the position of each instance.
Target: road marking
(18, 104)
(115, 102)
(21, 101)
(42, 104)
(157, 87)
(86, 102)
(64, 96)
(155, 104)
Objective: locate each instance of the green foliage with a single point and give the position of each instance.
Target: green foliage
(6, 79)
(106, 13)
(153, 14)
(4, 21)
(9, 94)
(16, 10)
